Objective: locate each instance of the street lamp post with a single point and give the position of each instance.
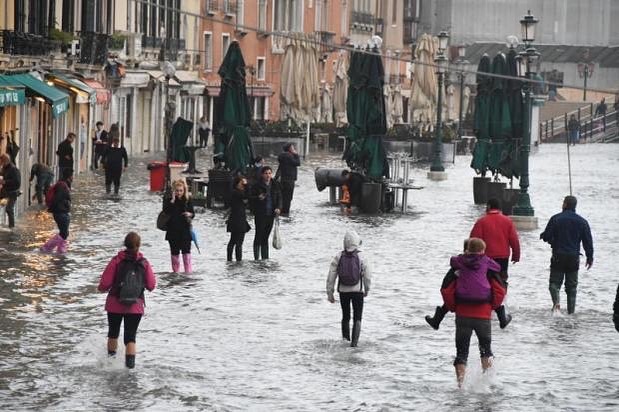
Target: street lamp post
(585, 70)
(523, 213)
(169, 110)
(437, 170)
(461, 63)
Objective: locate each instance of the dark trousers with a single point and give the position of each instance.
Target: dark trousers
(44, 181)
(10, 210)
(203, 137)
(564, 266)
(112, 177)
(63, 220)
(357, 305)
(99, 149)
(132, 321)
(178, 246)
(264, 225)
(464, 331)
(236, 244)
(287, 193)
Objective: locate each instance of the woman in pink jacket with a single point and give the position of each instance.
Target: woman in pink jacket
(125, 278)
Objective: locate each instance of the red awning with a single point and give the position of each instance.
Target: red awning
(103, 94)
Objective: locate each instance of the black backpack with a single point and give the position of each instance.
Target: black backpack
(349, 268)
(129, 281)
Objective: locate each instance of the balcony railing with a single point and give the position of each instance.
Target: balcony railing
(93, 47)
(362, 21)
(172, 46)
(26, 44)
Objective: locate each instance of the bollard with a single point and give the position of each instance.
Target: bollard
(480, 190)
(332, 195)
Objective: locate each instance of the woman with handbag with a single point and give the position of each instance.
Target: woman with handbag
(237, 221)
(178, 232)
(266, 199)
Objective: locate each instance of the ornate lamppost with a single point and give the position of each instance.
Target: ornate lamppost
(462, 76)
(437, 171)
(585, 70)
(523, 213)
(169, 110)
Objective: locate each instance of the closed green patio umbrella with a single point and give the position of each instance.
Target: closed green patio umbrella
(232, 114)
(500, 127)
(481, 120)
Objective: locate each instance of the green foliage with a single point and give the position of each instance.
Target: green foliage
(117, 41)
(63, 37)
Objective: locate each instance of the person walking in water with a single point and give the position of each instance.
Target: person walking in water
(616, 310)
(500, 236)
(565, 232)
(477, 290)
(204, 130)
(125, 278)
(287, 174)
(10, 182)
(573, 128)
(65, 153)
(100, 143)
(45, 178)
(354, 277)
(178, 234)
(266, 200)
(113, 159)
(237, 221)
(60, 207)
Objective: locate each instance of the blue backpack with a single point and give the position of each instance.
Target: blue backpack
(349, 268)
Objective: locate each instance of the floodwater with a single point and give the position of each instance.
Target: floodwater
(262, 335)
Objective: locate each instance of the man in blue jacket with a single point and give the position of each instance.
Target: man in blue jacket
(565, 231)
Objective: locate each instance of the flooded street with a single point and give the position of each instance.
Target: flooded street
(262, 335)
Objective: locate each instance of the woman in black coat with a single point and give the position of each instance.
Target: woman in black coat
(178, 234)
(616, 310)
(266, 198)
(237, 221)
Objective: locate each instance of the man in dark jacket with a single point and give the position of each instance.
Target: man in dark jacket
(287, 174)
(9, 186)
(266, 201)
(45, 178)
(616, 310)
(565, 231)
(113, 159)
(100, 143)
(65, 153)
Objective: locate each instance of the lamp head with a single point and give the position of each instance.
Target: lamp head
(527, 26)
(443, 39)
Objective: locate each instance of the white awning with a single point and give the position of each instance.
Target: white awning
(190, 82)
(159, 76)
(135, 79)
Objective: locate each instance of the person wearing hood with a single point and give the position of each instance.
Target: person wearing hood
(61, 210)
(287, 174)
(477, 291)
(565, 232)
(354, 277)
(118, 312)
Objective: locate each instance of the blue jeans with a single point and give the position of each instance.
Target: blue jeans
(63, 220)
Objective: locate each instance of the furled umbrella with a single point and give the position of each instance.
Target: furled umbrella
(500, 117)
(340, 89)
(397, 108)
(178, 138)
(481, 119)
(388, 105)
(326, 105)
(232, 114)
(424, 88)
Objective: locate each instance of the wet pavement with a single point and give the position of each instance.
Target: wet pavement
(262, 336)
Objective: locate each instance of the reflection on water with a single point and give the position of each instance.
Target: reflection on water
(261, 335)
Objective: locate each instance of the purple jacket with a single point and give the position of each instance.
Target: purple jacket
(473, 284)
(106, 283)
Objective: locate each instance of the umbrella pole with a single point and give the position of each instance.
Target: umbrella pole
(307, 138)
(569, 163)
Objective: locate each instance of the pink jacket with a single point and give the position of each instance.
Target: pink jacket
(112, 304)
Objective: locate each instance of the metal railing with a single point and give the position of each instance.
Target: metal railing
(592, 127)
(93, 48)
(26, 44)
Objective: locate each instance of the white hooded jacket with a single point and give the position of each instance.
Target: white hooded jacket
(351, 243)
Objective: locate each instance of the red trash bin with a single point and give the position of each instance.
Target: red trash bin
(157, 175)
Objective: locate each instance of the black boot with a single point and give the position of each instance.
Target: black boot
(130, 361)
(346, 330)
(439, 314)
(238, 253)
(256, 252)
(264, 251)
(229, 253)
(504, 318)
(571, 303)
(356, 331)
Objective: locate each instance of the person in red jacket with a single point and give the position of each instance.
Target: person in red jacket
(477, 290)
(118, 312)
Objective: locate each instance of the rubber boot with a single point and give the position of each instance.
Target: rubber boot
(176, 263)
(229, 249)
(108, 189)
(238, 253)
(460, 372)
(571, 303)
(187, 262)
(346, 330)
(264, 251)
(63, 246)
(51, 243)
(130, 361)
(356, 331)
(256, 252)
(504, 318)
(439, 314)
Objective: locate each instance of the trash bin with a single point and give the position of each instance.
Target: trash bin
(157, 176)
(371, 194)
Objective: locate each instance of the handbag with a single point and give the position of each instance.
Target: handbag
(162, 221)
(277, 240)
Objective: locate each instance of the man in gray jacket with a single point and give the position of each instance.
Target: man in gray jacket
(354, 280)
